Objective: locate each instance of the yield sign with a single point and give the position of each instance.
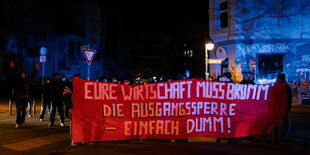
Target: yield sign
(89, 55)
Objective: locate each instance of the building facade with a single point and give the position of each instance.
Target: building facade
(265, 37)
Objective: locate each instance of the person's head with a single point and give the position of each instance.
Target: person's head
(180, 77)
(56, 76)
(219, 78)
(114, 80)
(150, 79)
(227, 75)
(47, 80)
(64, 78)
(154, 79)
(23, 74)
(280, 78)
(187, 74)
(248, 76)
(126, 82)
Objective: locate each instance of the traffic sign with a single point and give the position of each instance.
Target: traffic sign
(89, 55)
(42, 58)
(43, 51)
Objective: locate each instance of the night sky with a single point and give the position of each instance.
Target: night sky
(142, 14)
(158, 13)
(31, 21)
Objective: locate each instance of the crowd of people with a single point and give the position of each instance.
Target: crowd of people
(57, 94)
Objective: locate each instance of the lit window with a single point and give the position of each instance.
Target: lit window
(188, 53)
(191, 53)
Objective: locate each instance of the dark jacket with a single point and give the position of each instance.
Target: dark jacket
(57, 89)
(47, 90)
(21, 85)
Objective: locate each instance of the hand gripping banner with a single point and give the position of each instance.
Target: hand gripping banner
(174, 110)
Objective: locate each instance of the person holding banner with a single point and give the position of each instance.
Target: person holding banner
(248, 78)
(226, 78)
(67, 93)
(286, 118)
(186, 76)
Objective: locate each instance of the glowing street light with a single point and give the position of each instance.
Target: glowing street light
(209, 45)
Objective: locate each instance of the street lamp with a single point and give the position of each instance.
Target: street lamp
(209, 45)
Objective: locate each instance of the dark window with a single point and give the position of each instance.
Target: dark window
(224, 19)
(78, 48)
(270, 64)
(222, 14)
(71, 49)
(223, 5)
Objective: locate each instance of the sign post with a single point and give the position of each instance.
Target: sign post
(43, 60)
(43, 51)
(89, 56)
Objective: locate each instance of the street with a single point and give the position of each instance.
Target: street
(41, 139)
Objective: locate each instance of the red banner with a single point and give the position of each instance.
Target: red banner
(174, 110)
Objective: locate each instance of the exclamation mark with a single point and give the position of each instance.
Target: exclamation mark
(228, 125)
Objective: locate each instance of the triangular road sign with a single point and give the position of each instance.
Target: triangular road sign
(89, 55)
